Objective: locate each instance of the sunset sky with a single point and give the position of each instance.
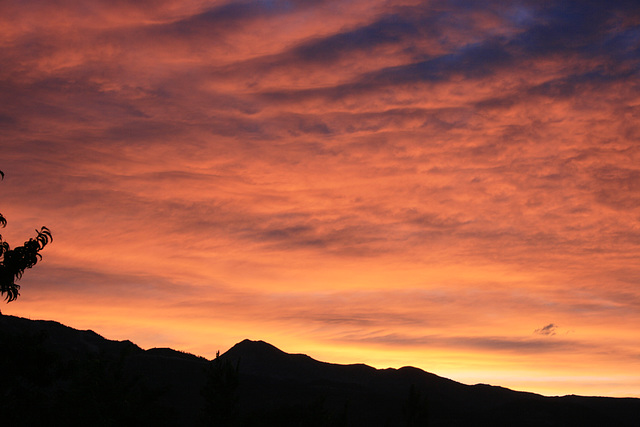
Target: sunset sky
(453, 185)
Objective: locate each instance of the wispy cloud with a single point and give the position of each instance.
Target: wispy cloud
(550, 329)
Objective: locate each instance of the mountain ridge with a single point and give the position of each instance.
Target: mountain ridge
(56, 368)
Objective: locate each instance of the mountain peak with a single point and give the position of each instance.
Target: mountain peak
(256, 345)
(254, 349)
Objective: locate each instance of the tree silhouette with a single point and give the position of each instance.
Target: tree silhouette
(13, 262)
(220, 393)
(416, 408)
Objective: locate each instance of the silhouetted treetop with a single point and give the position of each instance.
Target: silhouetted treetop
(13, 262)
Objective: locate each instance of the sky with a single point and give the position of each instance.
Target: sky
(447, 184)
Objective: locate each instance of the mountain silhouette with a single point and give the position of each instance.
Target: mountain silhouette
(56, 375)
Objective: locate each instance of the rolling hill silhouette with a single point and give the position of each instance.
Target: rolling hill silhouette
(56, 375)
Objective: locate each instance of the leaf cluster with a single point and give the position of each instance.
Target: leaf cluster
(13, 262)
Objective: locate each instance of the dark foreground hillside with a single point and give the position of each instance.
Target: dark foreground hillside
(59, 376)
